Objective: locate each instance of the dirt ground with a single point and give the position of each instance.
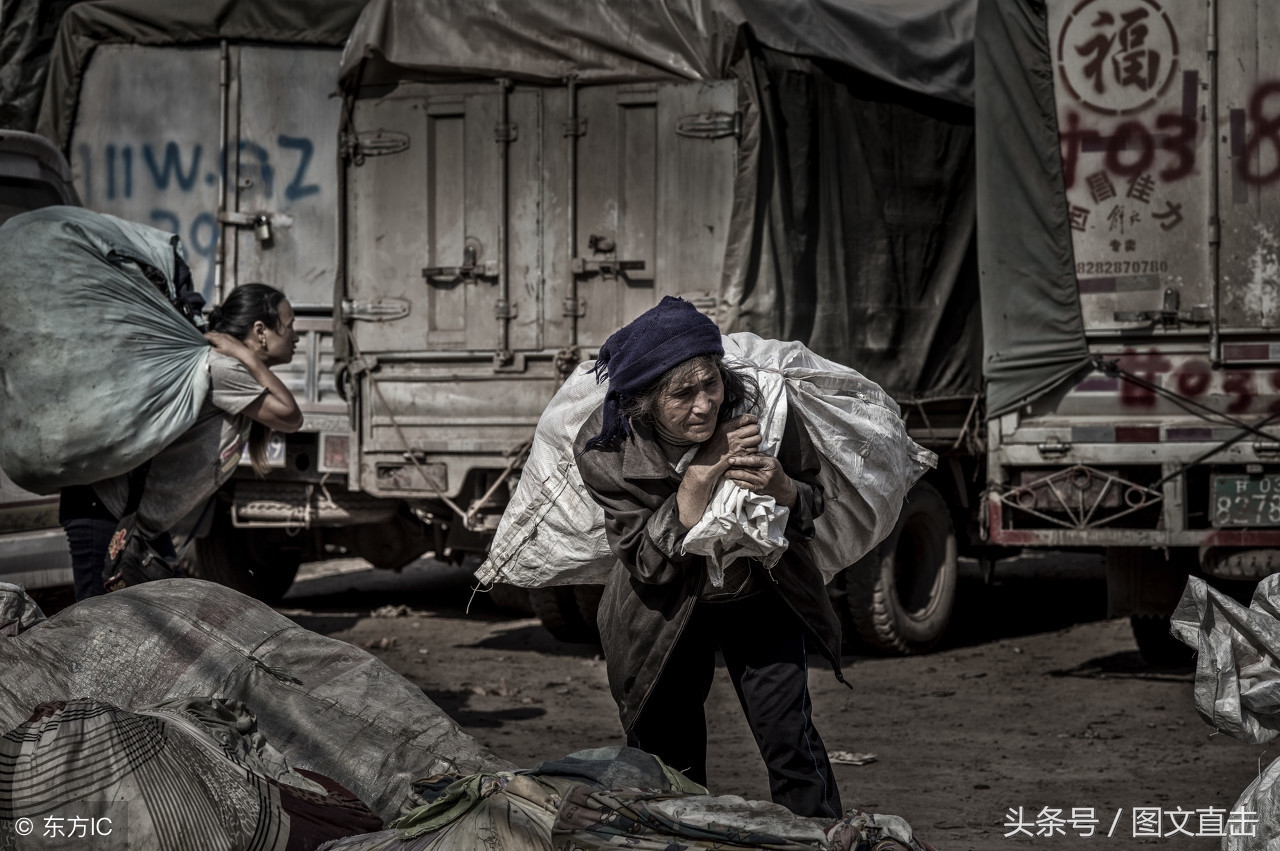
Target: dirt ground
(1036, 701)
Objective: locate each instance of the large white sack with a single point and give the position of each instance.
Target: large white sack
(739, 523)
(98, 370)
(1237, 690)
(1237, 648)
(552, 532)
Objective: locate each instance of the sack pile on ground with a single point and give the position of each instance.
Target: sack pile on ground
(1237, 688)
(192, 716)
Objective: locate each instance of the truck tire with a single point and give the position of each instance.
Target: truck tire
(588, 599)
(1146, 585)
(511, 598)
(557, 608)
(899, 597)
(252, 561)
(1158, 647)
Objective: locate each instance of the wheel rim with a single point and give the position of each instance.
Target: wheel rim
(917, 567)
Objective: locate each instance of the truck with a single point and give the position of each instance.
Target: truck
(219, 126)
(1044, 228)
(508, 200)
(421, 386)
(1132, 383)
(1041, 227)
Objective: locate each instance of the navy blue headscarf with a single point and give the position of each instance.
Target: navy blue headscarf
(638, 354)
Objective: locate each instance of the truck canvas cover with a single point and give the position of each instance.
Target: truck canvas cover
(850, 223)
(187, 22)
(1030, 299)
(921, 45)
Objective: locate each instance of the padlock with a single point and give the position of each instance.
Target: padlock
(262, 228)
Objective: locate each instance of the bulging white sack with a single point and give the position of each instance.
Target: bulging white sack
(552, 532)
(739, 523)
(1237, 691)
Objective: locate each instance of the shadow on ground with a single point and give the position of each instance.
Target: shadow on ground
(1028, 595)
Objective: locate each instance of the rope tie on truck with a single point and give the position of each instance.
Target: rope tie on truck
(517, 454)
(1191, 406)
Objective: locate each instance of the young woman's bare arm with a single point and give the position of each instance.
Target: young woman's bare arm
(276, 409)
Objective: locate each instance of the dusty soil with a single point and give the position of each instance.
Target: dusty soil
(1036, 701)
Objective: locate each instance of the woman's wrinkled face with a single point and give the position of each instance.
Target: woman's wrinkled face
(689, 407)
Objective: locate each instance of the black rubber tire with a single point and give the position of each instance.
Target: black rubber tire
(557, 608)
(899, 598)
(1158, 647)
(257, 562)
(588, 599)
(511, 598)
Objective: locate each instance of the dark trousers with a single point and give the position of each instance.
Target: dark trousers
(764, 650)
(89, 527)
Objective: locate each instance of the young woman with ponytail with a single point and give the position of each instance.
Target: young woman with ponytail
(251, 331)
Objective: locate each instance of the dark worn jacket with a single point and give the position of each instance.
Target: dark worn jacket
(652, 590)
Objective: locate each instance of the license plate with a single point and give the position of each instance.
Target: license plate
(1246, 500)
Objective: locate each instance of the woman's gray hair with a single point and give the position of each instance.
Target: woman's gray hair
(741, 392)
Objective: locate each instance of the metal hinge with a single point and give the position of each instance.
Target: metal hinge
(575, 127)
(575, 307)
(503, 309)
(382, 310)
(607, 268)
(1053, 447)
(601, 244)
(506, 132)
(373, 143)
(710, 125)
(1168, 314)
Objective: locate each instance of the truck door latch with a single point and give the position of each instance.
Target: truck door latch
(470, 269)
(608, 268)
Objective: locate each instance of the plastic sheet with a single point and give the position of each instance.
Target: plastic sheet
(1237, 688)
(327, 706)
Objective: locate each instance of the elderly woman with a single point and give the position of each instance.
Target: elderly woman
(661, 619)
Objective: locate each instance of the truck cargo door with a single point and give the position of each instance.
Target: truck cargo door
(1133, 97)
(426, 218)
(654, 196)
(146, 146)
(284, 156)
(1249, 176)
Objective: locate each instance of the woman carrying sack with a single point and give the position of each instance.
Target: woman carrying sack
(671, 399)
(251, 331)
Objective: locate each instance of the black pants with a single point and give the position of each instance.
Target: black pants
(89, 527)
(763, 646)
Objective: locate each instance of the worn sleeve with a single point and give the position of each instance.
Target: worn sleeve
(232, 387)
(801, 462)
(648, 542)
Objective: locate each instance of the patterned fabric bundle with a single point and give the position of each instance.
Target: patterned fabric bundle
(175, 776)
